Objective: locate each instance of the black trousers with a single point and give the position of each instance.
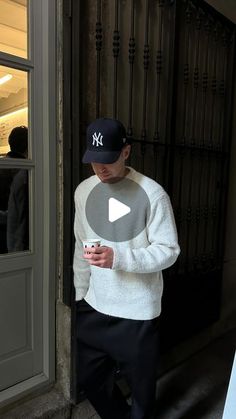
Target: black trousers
(105, 342)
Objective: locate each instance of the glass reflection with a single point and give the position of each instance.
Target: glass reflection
(13, 103)
(18, 213)
(13, 27)
(14, 197)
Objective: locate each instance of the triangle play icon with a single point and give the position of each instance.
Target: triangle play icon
(116, 209)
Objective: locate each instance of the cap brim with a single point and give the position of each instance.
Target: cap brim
(105, 157)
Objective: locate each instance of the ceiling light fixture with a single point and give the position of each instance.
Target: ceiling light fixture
(6, 78)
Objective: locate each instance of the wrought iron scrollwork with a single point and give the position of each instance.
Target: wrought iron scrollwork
(99, 37)
(131, 69)
(116, 50)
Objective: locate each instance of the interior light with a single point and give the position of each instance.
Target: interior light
(13, 113)
(6, 78)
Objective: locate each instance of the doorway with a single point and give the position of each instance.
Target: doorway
(165, 69)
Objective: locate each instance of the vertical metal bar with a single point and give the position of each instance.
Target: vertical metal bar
(183, 139)
(146, 58)
(205, 85)
(217, 145)
(200, 210)
(214, 213)
(98, 50)
(186, 72)
(174, 17)
(210, 154)
(159, 64)
(218, 93)
(214, 86)
(206, 110)
(216, 136)
(131, 70)
(224, 136)
(195, 86)
(230, 43)
(116, 50)
(195, 81)
(208, 150)
(222, 91)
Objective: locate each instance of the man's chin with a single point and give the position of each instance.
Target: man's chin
(108, 180)
(111, 179)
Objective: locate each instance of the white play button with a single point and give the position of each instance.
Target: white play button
(116, 209)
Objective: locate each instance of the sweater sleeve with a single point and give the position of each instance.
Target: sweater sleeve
(80, 265)
(163, 249)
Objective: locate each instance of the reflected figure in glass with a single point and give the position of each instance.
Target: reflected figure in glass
(14, 197)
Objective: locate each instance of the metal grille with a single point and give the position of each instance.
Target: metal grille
(165, 69)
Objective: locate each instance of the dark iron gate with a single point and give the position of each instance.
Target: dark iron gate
(165, 69)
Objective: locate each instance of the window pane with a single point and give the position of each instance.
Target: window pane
(13, 112)
(14, 210)
(13, 27)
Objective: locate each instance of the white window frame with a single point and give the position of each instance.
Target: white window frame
(41, 65)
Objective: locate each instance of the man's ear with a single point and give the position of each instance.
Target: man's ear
(126, 151)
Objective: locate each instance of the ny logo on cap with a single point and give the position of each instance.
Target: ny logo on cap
(97, 139)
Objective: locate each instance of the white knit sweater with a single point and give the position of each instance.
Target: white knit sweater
(133, 287)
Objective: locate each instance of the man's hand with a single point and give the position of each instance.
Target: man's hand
(101, 256)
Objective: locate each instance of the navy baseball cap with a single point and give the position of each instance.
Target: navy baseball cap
(105, 139)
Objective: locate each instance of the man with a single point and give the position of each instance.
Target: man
(119, 284)
(18, 142)
(18, 202)
(14, 196)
